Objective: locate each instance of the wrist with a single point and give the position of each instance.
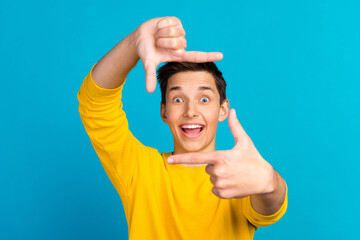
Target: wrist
(270, 179)
(131, 42)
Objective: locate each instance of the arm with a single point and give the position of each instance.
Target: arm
(243, 173)
(271, 202)
(267, 208)
(111, 70)
(154, 41)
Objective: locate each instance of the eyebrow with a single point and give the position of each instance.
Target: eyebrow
(200, 88)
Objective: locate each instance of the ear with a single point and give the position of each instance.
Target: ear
(163, 112)
(224, 110)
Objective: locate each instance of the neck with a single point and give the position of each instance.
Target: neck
(178, 149)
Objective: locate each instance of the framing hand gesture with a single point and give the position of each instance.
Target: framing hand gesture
(163, 40)
(235, 173)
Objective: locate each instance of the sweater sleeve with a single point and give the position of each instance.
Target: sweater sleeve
(259, 220)
(107, 127)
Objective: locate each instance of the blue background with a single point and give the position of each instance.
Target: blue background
(292, 68)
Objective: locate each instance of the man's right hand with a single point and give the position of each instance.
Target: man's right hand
(163, 40)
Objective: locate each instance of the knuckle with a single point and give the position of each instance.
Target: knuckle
(159, 42)
(207, 169)
(223, 194)
(172, 32)
(218, 183)
(178, 32)
(173, 43)
(221, 171)
(217, 172)
(168, 20)
(184, 42)
(183, 32)
(214, 191)
(227, 195)
(175, 19)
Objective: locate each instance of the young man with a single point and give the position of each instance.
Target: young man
(178, 200)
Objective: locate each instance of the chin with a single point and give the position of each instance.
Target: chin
(191, 144)
(192, 147)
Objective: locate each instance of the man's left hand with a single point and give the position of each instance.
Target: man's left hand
(235, 173)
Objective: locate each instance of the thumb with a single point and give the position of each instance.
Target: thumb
(150, 76)
(199, 57)
(236, 129)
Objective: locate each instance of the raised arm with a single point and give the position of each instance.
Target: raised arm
(155, 41)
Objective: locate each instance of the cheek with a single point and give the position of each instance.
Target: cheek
(212, 118)
(173, 114)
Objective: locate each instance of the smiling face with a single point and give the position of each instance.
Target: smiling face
(193, 110)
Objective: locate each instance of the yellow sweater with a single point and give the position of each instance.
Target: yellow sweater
(161, 200)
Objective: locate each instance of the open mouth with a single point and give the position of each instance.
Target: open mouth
(192, 130)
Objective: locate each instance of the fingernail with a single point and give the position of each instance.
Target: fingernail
(170, 160)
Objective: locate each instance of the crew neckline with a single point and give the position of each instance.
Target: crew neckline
(180, 168)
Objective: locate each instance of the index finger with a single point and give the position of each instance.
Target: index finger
(150, 76)
(194, 158)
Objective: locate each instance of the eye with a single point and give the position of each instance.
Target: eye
(177, 100)
(204, 99)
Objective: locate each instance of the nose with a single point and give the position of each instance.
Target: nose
(191, 110)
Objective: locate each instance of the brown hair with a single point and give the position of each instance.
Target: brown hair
(171, 68)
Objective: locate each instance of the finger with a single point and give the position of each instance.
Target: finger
(168, 21)
(150, 76)
(215, 192)
(212, 180)
(198, 57)
(235, 127)
(209, 169)
(171, 43)
(170, 32)
(194, 158)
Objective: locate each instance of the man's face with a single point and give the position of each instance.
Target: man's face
(193, 110)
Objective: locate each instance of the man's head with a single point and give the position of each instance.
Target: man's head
(171, 68)
(193, 102)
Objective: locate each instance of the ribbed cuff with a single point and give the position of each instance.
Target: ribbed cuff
(260, 220)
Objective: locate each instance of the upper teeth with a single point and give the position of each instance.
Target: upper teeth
(191, 126)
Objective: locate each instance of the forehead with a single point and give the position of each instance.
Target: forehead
(192, 79)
